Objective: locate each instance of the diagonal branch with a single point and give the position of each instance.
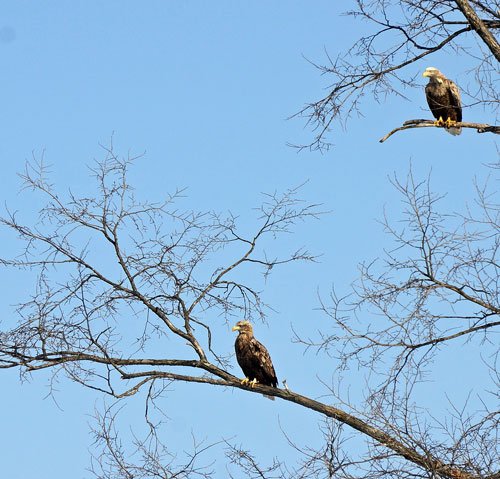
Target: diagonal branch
(480, 28)
(427, 461)
(220, 377)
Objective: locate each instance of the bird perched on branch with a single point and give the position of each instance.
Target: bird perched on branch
(253, 358)
(443, 97)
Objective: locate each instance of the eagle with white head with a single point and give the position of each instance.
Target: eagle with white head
(443, 97)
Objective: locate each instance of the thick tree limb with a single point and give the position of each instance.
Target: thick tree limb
(480, 127)
(220, 377)
(428, 462)
(479, 26)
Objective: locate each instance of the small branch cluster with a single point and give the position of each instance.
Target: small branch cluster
(145, 458)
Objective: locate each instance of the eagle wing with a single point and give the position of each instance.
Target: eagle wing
(265, 360)
(455, 99)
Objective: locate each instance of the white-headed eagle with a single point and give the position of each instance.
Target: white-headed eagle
(443, 97)
(253, 357)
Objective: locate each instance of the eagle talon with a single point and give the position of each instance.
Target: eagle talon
(439, 122)
(253, 382)
(450, 123)
(245, 381)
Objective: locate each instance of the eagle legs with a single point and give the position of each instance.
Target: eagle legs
(247, 382)
(440, 121)
(450, 123)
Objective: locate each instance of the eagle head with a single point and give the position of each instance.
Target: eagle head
(433, 74)
(243, 327)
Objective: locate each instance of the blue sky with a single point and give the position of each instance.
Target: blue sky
(204, 90)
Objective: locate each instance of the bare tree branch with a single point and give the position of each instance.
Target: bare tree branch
(480, 127)
(480, 27)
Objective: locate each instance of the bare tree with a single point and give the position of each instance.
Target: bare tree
(122, 258)
(437, 287)
(400, 34)
(115, 274)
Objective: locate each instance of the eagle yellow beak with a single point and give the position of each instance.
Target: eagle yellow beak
(235, 328)
(426, 74)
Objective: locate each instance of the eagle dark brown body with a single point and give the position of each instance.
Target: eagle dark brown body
(443, 98)
(253, 357)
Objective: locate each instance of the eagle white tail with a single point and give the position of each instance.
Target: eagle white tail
(454, 130)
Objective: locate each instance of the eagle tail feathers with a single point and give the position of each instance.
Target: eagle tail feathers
(455, 131)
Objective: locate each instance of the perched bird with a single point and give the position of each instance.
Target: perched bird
(443, 97)
(253, 358)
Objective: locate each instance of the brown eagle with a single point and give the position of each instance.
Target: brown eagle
(443, 97)
(253, 357)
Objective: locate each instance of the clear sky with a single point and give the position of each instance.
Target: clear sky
(204, 89)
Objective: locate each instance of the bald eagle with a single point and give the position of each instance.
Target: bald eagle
(253, 357)
(443, 98)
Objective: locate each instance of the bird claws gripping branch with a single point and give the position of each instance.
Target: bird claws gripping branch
(450, 123)
(440, 122)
